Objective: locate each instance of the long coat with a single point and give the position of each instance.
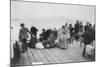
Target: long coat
(52, 39)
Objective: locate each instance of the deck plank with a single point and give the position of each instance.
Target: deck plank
(52, 55)
(59, 55)
(45, 53)
(41, 55)
(30, 56)
(64, 56)
(25, 59)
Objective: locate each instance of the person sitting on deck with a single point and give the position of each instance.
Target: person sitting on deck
(55, 32)
(23, 35)
(42, 35)
(51, 39)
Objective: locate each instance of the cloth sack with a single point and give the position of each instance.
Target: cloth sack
(89, 49)
(39, 45)
(56, 41)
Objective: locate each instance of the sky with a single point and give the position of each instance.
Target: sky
(31, 10)
(47, 15)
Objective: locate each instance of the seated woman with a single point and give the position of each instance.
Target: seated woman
(51, 39)
(42, 36)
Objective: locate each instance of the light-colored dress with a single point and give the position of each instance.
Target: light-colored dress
(62, 39)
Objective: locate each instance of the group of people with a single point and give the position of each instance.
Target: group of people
(58, 38)
(61, 38)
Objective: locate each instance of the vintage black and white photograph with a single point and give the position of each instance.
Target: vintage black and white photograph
(51, 33)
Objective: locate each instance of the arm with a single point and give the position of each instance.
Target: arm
(30, 33)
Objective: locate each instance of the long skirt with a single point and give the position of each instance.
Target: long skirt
(33, 42)
(63, 42)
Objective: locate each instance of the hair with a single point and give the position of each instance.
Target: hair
(43, 29)
(70, 24)
(22, 24)
(63, 26)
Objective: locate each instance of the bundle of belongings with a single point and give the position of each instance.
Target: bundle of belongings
(90, 50)
(39, 45)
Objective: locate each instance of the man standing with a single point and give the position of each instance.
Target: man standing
(76, 30)
(87, 38)
(23, 35)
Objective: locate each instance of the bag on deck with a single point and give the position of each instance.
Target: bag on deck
(39, 45)
(89, 49)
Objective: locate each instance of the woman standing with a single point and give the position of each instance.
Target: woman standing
(62, 38)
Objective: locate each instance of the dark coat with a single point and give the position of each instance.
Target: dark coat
(88, 36)
(86, 28)
(34, 30)
(77, 28)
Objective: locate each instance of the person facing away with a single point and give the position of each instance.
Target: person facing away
(87, 37)
(23, 35)
(76, 30)
(34, 30)
(86, 26)
(43, 35)
(77, 26)
(80, 27)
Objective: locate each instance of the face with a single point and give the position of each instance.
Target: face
(22, 26)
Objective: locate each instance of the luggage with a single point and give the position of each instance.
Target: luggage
(89, 50)
(39, 45)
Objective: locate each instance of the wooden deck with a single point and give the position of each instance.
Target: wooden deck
(52, 56)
